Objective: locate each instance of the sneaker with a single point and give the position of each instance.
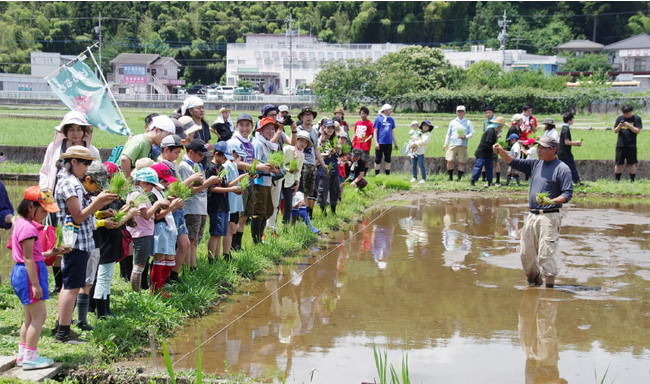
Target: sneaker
(550, 281)
(38, 363)
(421, 182)
(413, 180)
(84, 326)
(69, 338)
(19, 361)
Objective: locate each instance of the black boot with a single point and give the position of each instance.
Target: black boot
(101, 309)
(83, 302)
(58, 279)
(108, 305)
(451, 174)
(333, 208)
(323, 210)
(460, 175)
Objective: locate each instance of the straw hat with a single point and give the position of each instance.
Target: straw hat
(77, 152)
(189, 126)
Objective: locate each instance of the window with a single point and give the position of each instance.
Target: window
(165, 72)
(120, 70)
(231, 61)
(241, 62)
(286, 83)
(121, 90)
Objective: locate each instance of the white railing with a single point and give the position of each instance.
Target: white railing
(258, 98)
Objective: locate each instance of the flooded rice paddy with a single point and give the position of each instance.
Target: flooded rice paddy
(440, 281)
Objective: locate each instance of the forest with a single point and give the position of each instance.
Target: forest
(196, 33)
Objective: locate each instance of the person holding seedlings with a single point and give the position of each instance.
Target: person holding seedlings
(328, 185)
(564, 147)
(165, 232)
(550, 187)
(627, 127)
(364, 131)
(418, 146)
(484, 153)
(515, 152)
(358, 170)
(218, 205)
(74, 129)
(259, 206)
(145, 180)
(313, 158)
(384, 126)
(76, 213)
(196, 207)
(456, 140)
(108, 239)
(29, 274)
(235, 200)
(294, 156)
(139, 146)
(171, 151)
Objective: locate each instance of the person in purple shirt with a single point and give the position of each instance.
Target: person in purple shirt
(550, 186)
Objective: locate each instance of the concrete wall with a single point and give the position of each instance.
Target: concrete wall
(589, 169)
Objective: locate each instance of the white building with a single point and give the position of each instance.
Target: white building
(42, 64)
(510, 59)
(265, 59)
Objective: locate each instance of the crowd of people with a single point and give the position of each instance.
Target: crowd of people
(148, 206)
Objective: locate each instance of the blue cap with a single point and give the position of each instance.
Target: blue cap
(222, 147)
(513, 136)
(245, 116)
(269, 107)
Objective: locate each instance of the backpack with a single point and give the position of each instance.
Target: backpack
(116, 153)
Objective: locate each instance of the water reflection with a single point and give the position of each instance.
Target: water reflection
(391, 282)
(538, 334)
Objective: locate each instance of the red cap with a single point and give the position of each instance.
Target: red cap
(44, 198)
(266, 121)
(164, 173)
(111, 168)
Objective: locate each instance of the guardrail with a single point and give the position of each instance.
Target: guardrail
(257, 98)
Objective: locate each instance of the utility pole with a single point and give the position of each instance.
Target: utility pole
(289, 22)
(503, 36)
(98, 30)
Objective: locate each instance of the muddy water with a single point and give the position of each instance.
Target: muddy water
(441, 282)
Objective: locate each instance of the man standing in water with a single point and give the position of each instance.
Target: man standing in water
(550, 187)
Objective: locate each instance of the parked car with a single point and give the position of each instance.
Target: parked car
(212, 94)
(226, 92)
(196, 89)
(304, 92)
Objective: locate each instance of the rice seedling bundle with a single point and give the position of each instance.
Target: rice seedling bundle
(178, 189)
(276, 159)
(253, 169)
(120, 185)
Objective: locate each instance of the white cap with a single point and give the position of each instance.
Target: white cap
(163, 123)
(460, 108)
(385, 107)
(72, 117)
(283, 108)
(415, 122)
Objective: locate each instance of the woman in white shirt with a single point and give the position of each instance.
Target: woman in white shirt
(549, 130)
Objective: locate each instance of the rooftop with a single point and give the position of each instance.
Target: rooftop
(580, 45)
(135, 58)
(635, 42)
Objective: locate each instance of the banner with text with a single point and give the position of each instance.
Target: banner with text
(80, 90)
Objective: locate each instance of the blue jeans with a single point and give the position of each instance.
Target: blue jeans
(478, 165)
(418, 161)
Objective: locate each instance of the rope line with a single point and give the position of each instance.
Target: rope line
(276, 290)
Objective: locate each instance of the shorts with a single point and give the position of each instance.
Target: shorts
(142, 249)
(308, 179)
(385, 151)
(259, 203)
(234, 217)
(91, 267)
(219, 223)
(23, 287)
(179, 219)
(195, 226)
(457, 154)
(164, 240)
(73, 269)
(624, 154)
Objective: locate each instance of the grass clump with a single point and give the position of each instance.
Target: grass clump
(120, 185)
(390, 182)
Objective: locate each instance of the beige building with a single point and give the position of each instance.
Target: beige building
(141, 73)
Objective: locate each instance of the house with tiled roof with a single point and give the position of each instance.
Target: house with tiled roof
(143, 73)
(631, 54)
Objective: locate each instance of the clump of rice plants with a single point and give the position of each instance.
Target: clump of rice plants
(460, 132)
(178, 189)
(119, 216)
(346, 148)
(543, 199)
(120, 185)
(244, 182)
(293, 165)
(140, 199)
(253, 169)
(276, 159)
(59, 236)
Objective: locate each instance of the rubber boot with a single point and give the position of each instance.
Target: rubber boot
(101, 308)
(307, 220)
(294, 215)
(58, 279)
(333, 208)
(83, 302)
(108, 305)
(323, 210)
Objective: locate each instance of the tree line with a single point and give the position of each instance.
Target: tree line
(196, 33)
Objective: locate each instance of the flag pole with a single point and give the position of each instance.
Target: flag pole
(72, 61)
(108, 89)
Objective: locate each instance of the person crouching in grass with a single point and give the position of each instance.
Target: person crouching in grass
(76, 209)
(218, 205)
(165, 231)
(29, 274)
(145, 180)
